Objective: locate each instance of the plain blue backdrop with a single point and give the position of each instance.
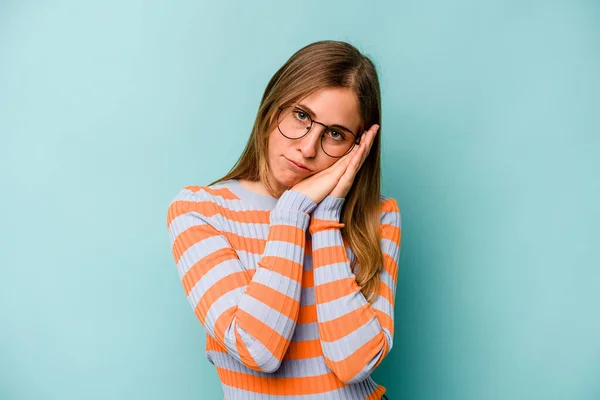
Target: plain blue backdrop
(490, 145)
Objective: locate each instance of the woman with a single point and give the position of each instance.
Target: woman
(290, 260)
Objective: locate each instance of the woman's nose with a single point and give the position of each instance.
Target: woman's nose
(311, 142)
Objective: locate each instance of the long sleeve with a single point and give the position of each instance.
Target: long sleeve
(252, 317)
(355, 335)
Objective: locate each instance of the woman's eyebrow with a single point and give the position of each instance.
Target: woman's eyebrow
(312, 114)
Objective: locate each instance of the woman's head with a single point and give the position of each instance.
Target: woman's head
(335, 81)
(340, 86)
(300, 137)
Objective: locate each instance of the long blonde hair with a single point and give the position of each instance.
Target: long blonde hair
(328, 64)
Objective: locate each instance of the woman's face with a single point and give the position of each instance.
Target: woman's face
(331, 106)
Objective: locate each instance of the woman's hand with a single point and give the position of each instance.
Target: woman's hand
(358, 156)
(319, 185)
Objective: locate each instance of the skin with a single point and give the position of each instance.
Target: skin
(331, 106)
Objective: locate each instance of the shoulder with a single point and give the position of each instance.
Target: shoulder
(215, 193)
(190, 194)
(206, 200)
(390, 210)
(388, 203)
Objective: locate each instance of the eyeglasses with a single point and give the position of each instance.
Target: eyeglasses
(293, 123)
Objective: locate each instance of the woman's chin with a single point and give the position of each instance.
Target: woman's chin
(288, 179)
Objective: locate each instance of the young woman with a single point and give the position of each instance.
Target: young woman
(290, 260)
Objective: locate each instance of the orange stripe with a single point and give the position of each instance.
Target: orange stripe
(204, 265)
(284, 233)
(308, 313)
(274, 299)
(377, 393)
(209, 208)
(222, 192)
(340, 327)
(223, 322)
(304, 349)
(283, 266)
(191, 236)
(296, 351)
(308, 279)
(262, 332)
(336, 289)
(248, 216)
(390, 265)
(180, 207)
(201, 317)
(287, 233)
(385, 291)
(329, 255)
(243, 243)
(385, 320)
(175, 209)
(390, 232)
(389, 204)
(220, 288)
(213, 345)
(280, 386)
(270, 338)
(319, 224)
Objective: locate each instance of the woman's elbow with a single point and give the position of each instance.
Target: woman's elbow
(351, 370)
(270, 365)
(349, 378)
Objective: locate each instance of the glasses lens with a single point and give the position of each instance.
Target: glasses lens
(337, 142)
(293, 122)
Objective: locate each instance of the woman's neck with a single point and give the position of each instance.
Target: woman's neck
(256, 187)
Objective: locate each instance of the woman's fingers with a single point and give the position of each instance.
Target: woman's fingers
(341, 165)
(367, 143)
(355, 158)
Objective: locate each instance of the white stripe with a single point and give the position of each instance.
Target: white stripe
(336, 308)
(344, 347)
(332, 272)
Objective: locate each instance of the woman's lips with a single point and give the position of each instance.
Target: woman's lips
(298, 166)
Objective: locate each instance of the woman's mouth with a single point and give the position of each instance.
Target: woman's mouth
(298, 167)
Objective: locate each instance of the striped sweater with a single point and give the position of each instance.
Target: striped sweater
(270, 281)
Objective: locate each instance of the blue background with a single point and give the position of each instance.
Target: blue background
(491, 125)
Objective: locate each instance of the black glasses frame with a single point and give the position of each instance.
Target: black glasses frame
(355, 142)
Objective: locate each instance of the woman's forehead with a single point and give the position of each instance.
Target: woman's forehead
(333, 106)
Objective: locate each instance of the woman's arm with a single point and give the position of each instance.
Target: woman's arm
(252, 317)
(355, 335)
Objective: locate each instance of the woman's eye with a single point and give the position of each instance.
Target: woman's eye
(337, 135)
(301, 115)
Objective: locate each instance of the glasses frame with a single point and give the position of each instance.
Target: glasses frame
(312, 121)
